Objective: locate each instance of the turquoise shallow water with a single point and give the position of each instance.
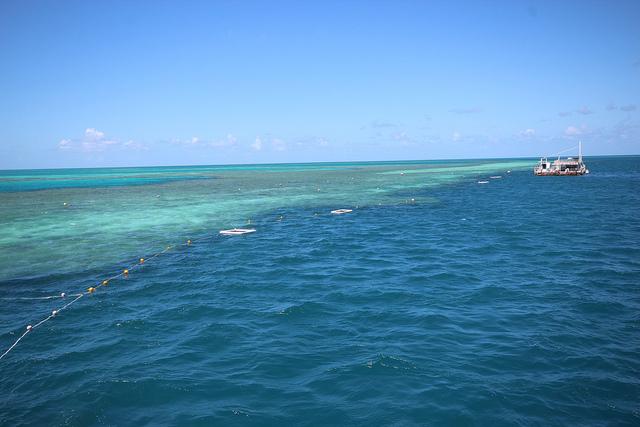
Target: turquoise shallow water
(437, 301)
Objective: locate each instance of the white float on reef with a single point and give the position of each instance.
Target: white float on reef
(237, 231)
(341, 211)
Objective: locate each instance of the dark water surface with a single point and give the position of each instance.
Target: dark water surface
(516, 302)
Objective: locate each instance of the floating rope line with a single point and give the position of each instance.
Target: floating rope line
(62, 295)
(30, 328)
(105, 282)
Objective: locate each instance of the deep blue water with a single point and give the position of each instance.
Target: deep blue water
(511, 303)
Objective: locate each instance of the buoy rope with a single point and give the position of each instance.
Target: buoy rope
(108, 279)
(31, 328)
(32, 298)
(124, 273)
(15, 343)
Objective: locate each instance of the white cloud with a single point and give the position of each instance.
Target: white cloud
(572, 131)
(94, 140)
(528, 132)
(135, 145)
(309, 141)
(229, 141)
(196, 141)
(93, 134)
(193, 141)
(257, 144)
(456, 136)
(271, 143)
(65, 144)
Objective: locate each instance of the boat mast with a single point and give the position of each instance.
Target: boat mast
(580, 151)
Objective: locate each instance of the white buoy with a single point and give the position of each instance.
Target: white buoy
(62, 295)
(483, 182)
(237, 231)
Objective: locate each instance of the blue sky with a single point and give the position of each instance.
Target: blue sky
(108, 83)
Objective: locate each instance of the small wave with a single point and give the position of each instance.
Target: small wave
(379, 364)
(383, 361)
(305, 308)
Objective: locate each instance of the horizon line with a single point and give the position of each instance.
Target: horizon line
(312, 162)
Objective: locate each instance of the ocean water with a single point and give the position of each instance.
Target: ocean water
(437, 301)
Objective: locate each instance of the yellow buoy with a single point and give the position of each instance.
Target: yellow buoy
(91, 290)
(188, 242)
(105, 282)
(126, 272)
(141, 260)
